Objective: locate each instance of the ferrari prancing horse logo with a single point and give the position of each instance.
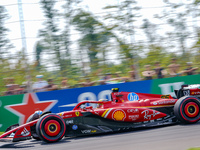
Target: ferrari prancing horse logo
(77, 113)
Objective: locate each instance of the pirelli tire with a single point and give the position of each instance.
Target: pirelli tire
(187, 109)
(50, 128)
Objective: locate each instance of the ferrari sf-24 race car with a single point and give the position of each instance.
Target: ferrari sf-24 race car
(126, 110)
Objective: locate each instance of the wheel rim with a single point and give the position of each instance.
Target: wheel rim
(52, 128)
(191, 109)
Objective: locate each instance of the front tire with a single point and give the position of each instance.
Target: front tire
(50, 128)
(187, 109)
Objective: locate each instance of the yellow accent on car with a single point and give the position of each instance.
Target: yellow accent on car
(77, 113)
(104, 113)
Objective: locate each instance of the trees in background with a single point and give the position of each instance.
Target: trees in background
(121, 19)
(176, 15)
(51, 38)
(93, 35)
(108, 40)
(118, 25)
(5, 44)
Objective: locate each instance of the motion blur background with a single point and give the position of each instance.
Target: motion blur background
(80, 40)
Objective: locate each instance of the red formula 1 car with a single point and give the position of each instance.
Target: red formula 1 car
(126, 110)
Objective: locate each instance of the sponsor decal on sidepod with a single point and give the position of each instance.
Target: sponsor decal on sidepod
(74, 127)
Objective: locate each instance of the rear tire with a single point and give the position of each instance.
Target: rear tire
(50, 128)
(187, 109)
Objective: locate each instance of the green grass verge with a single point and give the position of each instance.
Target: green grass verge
(1, 133)
(197, 148)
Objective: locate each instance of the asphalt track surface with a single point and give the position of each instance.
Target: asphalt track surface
(174, 137)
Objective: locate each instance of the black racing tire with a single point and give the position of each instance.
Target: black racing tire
(44, 113)
(50, 128)
(187, 109)
(33, 129)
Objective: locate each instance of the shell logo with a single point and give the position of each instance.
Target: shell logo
(119, 115)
